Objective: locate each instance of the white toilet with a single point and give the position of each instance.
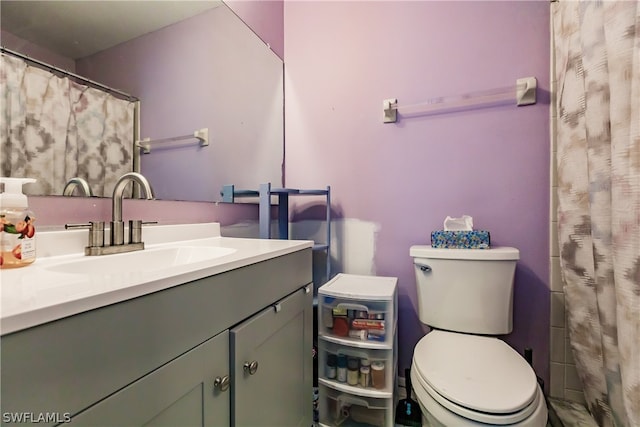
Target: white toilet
(461, 374)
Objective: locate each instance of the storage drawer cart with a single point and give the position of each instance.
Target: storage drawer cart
(357, 348)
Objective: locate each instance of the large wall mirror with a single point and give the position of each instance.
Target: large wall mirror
(202, 68)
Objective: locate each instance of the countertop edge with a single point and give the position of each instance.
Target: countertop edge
(39, 316)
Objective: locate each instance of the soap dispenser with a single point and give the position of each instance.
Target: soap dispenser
(17, 242)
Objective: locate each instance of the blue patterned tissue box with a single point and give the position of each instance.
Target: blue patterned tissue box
(476, 239)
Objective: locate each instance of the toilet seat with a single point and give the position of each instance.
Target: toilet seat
(480, 378)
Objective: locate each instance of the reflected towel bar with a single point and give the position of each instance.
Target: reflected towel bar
(524, 93)
(201, 134)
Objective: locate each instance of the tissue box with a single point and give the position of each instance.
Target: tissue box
(475, 239)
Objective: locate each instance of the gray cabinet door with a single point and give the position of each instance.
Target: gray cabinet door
(277, 389)
(180, 393)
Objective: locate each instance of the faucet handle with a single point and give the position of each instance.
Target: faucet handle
(135, 229)
(96, 232)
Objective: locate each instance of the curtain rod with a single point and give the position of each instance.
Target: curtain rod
(69, 74)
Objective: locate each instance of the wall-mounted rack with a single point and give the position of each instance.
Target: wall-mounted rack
(202, 135)
(264, 193)
(524, 93)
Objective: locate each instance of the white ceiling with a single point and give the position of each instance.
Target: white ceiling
(76, 29)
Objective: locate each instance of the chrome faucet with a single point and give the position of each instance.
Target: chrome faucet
(79, 183)
(97, 244)
(117, 225)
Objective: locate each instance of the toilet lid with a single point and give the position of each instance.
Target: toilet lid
(480, 373)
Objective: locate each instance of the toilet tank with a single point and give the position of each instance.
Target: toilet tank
(466, 290)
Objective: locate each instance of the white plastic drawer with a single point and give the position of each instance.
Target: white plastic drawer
(370, 288)
(363, 323)
(379, 384)
(345, 410)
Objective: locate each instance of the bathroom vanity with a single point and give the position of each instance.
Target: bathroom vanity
(220, 339)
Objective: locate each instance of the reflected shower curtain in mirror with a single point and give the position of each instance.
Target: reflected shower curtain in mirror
(597, 57)
(54, 129)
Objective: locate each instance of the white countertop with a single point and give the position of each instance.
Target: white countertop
(34, 294)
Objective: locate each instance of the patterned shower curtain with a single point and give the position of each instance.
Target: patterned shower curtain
(54, 129)
(597, 57)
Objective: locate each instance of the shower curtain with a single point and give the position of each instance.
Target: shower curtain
(54, 129)
(597, 57)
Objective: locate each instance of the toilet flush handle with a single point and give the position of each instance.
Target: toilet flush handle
(424, 267)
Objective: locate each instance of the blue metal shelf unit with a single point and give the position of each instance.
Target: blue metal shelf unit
(265, 193)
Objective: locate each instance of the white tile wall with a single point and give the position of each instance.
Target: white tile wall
(565, 383)
(556, 388)
(557, 345)
(556, 278)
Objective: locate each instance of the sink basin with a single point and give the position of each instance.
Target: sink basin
(147, 260)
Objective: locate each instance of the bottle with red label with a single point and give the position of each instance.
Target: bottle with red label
(17, 229)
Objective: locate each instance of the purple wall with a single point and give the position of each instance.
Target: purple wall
(344, 58)
(208, 71)
(55, 211)
(265, 18)
(33, 50)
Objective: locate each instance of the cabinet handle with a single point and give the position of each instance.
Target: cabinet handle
(221, 383)
(251, 368)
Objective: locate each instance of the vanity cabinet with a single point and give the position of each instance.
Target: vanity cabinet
(180, 356)
(269, 351)
(180, 393)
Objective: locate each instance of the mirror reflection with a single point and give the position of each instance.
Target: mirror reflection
(206, 72)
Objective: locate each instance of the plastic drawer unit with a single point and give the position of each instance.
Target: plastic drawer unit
(357, 347)
(350, 410)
